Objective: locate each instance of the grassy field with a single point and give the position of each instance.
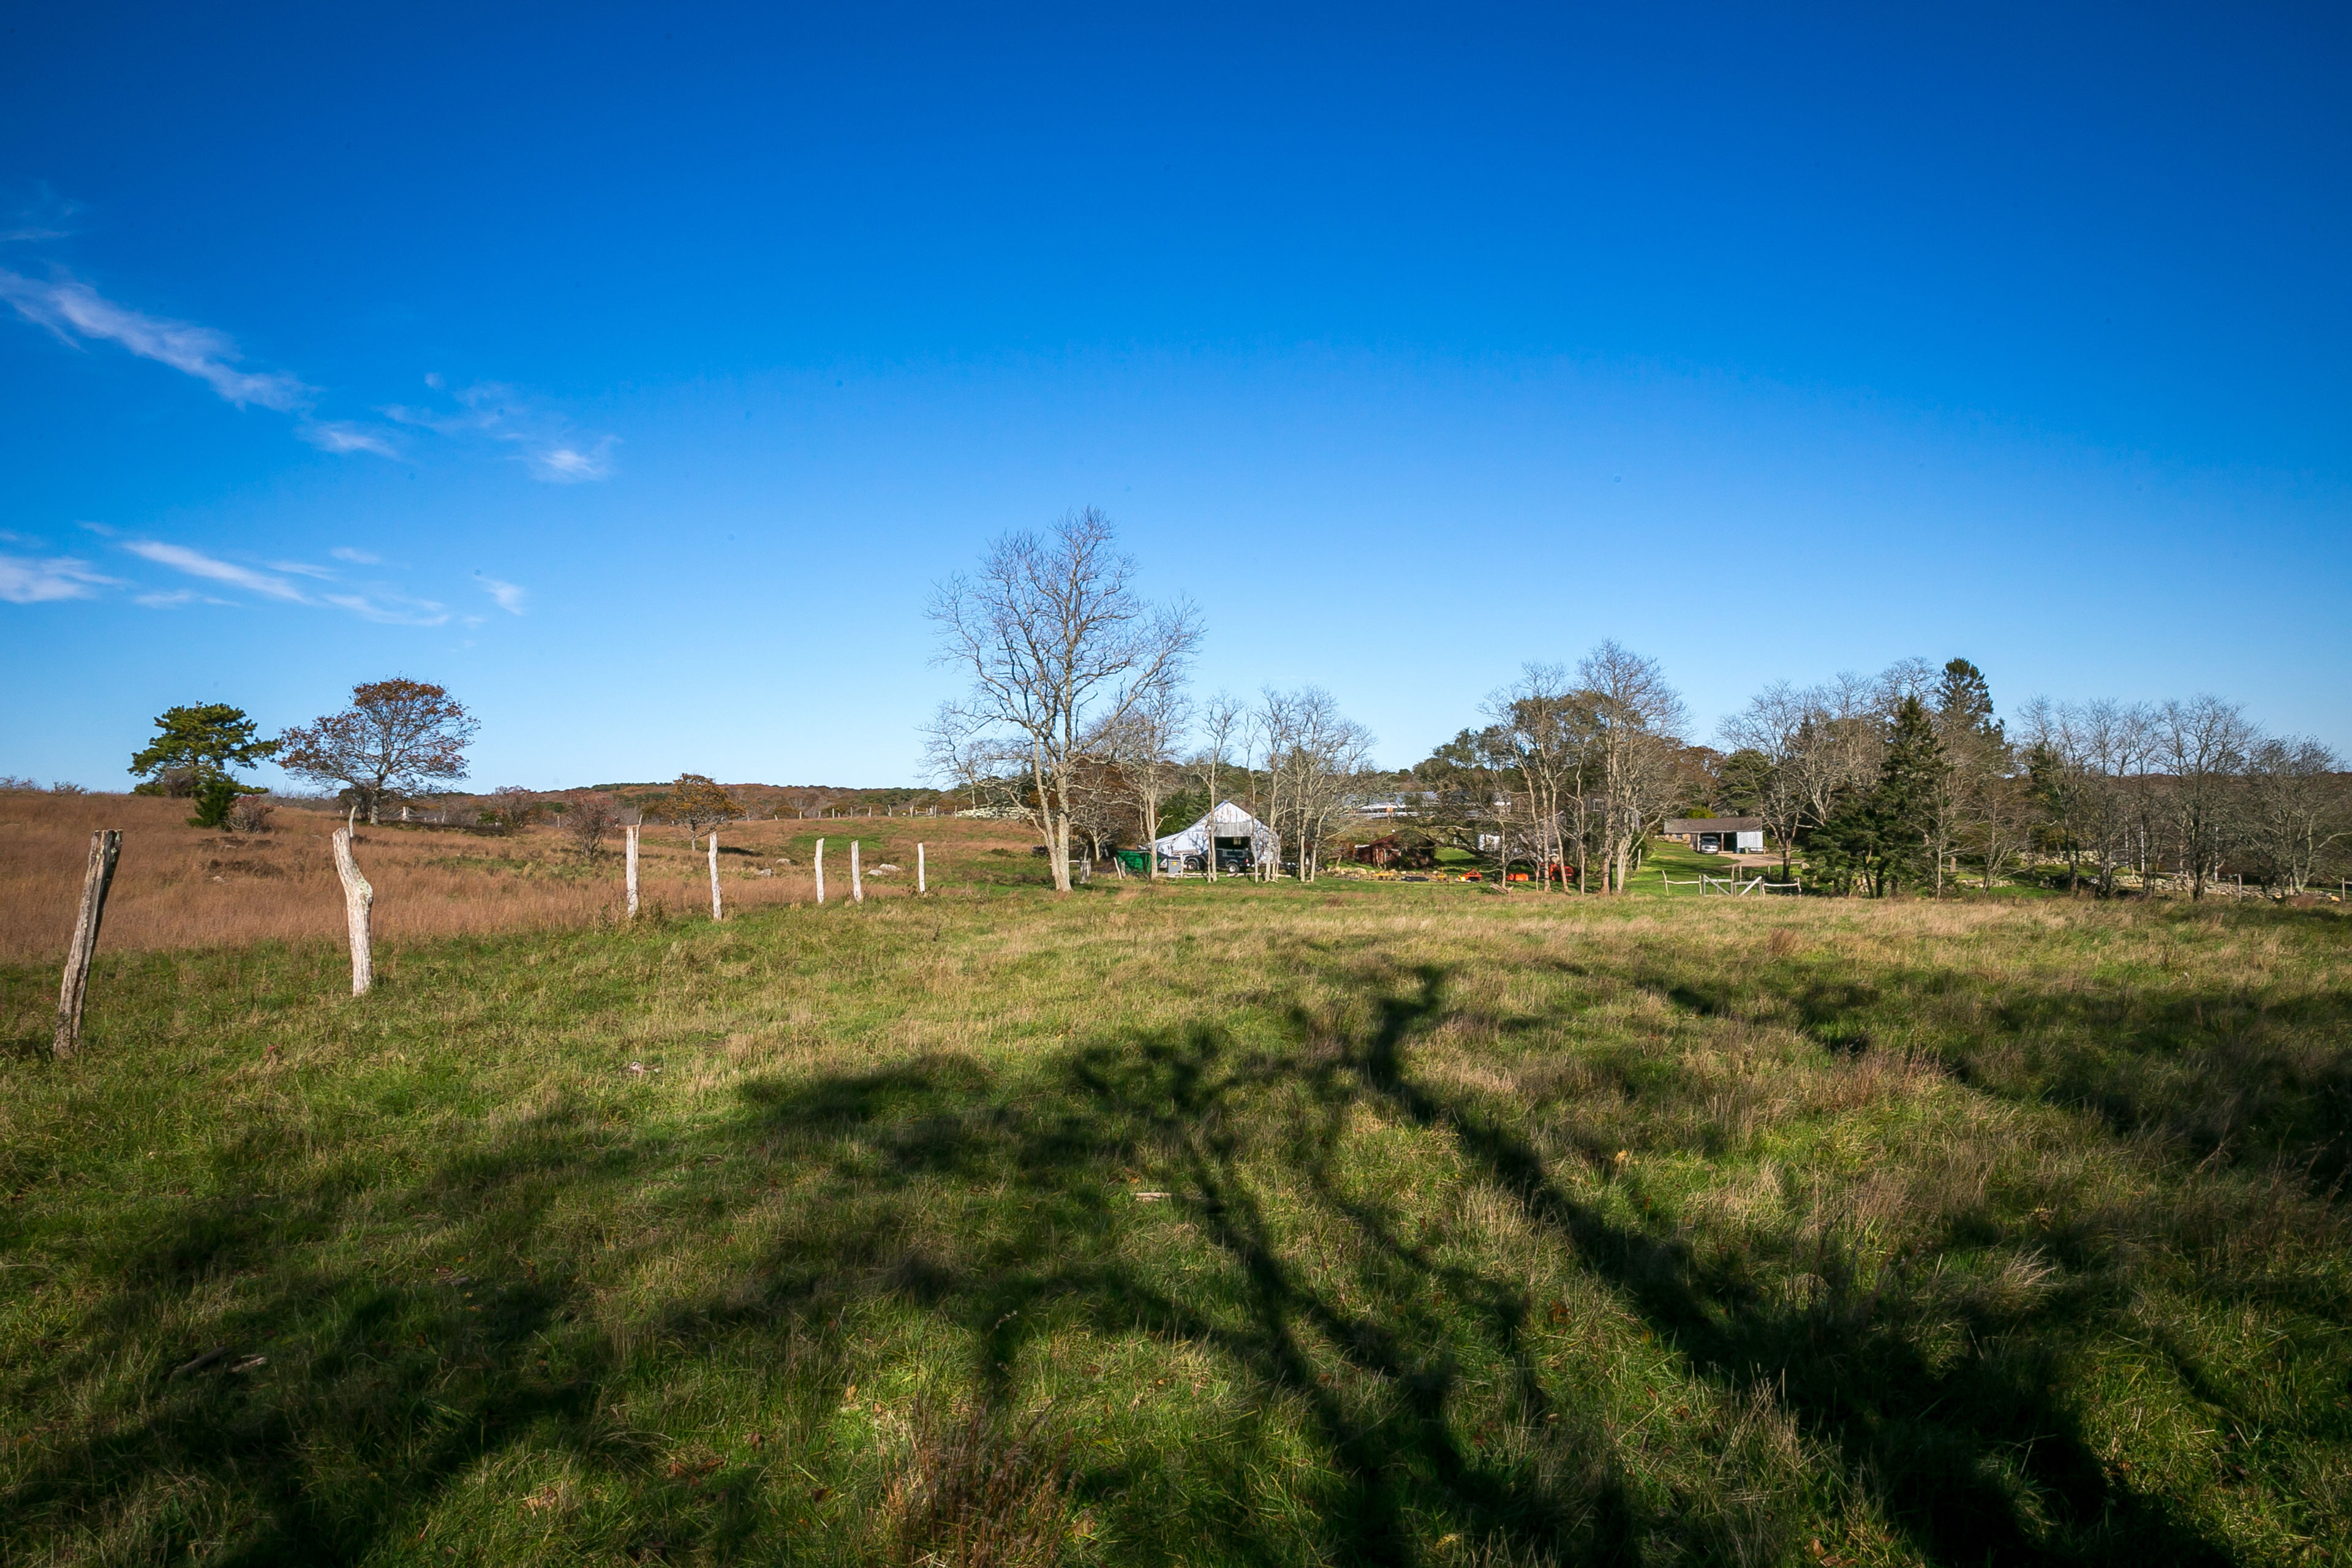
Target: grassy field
(1336, 1225)
(179, 886)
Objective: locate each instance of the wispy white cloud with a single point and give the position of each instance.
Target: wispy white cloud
(177, 596)
(509, 598)
(389, 609)
(28, 580)
(370, 602)
(562, 465)
(490, 410)
(76, 312)
(342, 436)
(196, 564)
(357, 557)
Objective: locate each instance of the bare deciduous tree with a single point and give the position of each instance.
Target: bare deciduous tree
(1779, 724)
(1221, 722)
(1058, 648)
(1143, 747)
(1637, 721)
(2202, 745)
(1996, 817)
(1548, 732)
(2294, 810)
(586, 822)
(1315, 759)
(1101, 802)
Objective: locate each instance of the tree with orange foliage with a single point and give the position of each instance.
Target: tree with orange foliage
(697, 801)
(395, 737)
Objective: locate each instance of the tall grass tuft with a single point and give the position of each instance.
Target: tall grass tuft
(979, 1490)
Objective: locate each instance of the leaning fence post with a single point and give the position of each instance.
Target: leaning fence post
(857, 885)
(631, 830)
(105, 847)
(357, 899)
(714, 875)
(820, 871)
(919, 886)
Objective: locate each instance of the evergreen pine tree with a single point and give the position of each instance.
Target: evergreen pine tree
(1907, 795)
(1964, 702)
(1877, 838)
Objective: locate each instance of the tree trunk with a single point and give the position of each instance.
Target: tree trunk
(358, 898)
(1211, 866)
(715, 912)
(1150, 834)
(630, 829)
(105, 849)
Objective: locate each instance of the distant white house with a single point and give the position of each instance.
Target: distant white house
(1240, 841)
(1389, 806)
(1718, 834)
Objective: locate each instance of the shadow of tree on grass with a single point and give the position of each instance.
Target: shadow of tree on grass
(989, 1207)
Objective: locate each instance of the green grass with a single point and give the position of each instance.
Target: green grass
(1498, 1230)
(873, 847)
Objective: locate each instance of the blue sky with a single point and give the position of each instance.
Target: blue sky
(635, 374)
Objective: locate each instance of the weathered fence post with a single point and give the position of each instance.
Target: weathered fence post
(714, 913)
(105, 849)
(856, 884)
(820, 870)
(920, 885)
(631, 831)
(358, 897)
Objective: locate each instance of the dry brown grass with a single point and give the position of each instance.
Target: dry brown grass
(182, 886)
(972, 1492)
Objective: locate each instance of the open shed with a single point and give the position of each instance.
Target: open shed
(1240, 841)
(1718, 834)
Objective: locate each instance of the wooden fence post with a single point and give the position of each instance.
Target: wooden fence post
(631, 830)
(920, 885)
(820, 871)
(358, 897)
(857, 885)
(105, 849)
(714, 913)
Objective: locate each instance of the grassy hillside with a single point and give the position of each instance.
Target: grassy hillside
(1349, 1223)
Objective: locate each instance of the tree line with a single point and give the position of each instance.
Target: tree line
(1077, 718)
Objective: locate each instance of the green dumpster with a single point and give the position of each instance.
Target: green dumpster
(1136, 860)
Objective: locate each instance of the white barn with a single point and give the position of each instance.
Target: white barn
(1240, 840)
